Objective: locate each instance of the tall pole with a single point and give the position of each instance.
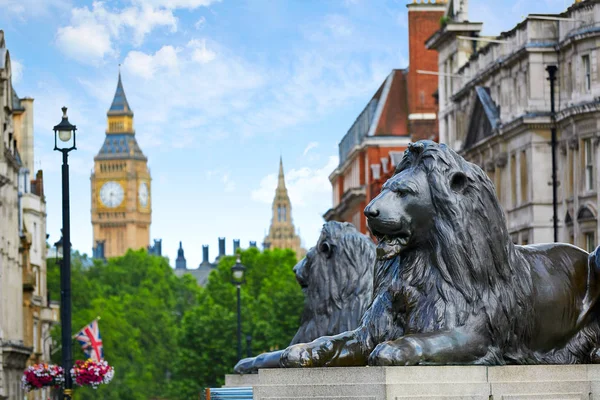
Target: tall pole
(248, 346)
(552, 78)
(65, 283)
(239, 322)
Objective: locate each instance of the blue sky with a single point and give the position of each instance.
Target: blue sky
(220, 89)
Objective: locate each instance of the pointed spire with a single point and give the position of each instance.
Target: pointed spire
(119, 105)
(281, 181)
(180, 262)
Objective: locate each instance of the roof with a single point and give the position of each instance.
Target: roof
(386, 114)
(485, 117)
(16, 102)
(119, 146)
(119, 105)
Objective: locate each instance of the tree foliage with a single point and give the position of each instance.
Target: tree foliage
(168, 338)
(271, 306)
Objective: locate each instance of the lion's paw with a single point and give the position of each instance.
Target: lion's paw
(295, 357)
(245, 366)
(390, 353)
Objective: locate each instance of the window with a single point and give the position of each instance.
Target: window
(513, 180)
(35, 337)
(586, 70)
(35, 237)
(451, 71)
(570, 172)
(569, 83)
(37, 280)
(284, 212)
(589, 164)
(524, 181)
(590, 241)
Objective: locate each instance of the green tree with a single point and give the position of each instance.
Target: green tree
(141, 303)
(271, 308)
(166, 337)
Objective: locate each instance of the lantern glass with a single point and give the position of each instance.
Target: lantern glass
(238, 275)
(65, 135)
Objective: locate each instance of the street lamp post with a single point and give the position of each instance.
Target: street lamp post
(552, 78)
(237, 278)
(64, 132)
(248, 346)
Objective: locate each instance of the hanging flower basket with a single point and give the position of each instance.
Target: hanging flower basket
(42, 375)
(92, 373)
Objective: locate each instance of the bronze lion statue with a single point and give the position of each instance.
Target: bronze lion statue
(451, 287)
(336, 277)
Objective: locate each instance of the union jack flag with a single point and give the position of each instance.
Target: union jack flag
(91, 342)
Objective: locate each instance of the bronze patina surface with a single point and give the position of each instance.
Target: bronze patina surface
(336, 277)
(451, 287)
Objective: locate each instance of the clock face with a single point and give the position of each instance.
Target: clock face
(143, 194)
(111, 194)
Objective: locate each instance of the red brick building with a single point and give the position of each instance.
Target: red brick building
(402, 110)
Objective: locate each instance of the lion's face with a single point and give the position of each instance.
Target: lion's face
(401, 215)
(315, 257)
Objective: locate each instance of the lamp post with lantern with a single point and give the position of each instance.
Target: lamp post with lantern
(64, 134)
(237, 278)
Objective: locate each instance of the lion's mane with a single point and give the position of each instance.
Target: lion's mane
(470, 266)
(341, 286)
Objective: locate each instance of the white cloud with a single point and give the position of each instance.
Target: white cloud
(92, 31)
(306, 186)
(200, 23)
(311, 145)
(86, 43)
(172, 4)
(17, 70)
(31, 8)
(338, 25)
(200, 53)
(146, 65)
(229, 185)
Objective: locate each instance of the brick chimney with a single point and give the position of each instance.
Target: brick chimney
(236, 245)
(423, 21)
(221, 248)
(205, 255)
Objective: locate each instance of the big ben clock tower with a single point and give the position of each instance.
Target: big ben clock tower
(121, 202)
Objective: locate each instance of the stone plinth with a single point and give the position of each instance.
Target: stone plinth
(235, 380)
(565, 382)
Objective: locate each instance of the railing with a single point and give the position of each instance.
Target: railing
(236, 393)
(358, 131)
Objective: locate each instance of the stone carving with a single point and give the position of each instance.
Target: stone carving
(501, 159)
(336, 277)
(451, 288)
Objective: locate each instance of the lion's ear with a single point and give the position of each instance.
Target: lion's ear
(458, 182)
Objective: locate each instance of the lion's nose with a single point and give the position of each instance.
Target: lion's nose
(371, 212)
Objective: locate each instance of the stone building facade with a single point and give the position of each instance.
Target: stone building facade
(26, 314)
(496, 111)
(402, 110)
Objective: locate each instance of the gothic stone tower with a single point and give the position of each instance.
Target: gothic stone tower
(282, 234)
(121, 203)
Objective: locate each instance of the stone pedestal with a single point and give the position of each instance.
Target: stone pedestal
(564, 382)
(235, 380)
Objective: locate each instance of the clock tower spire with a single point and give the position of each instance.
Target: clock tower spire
(121, 211)
(282, 233)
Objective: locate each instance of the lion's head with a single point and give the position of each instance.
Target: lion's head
(444, 209)
(336, 277)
